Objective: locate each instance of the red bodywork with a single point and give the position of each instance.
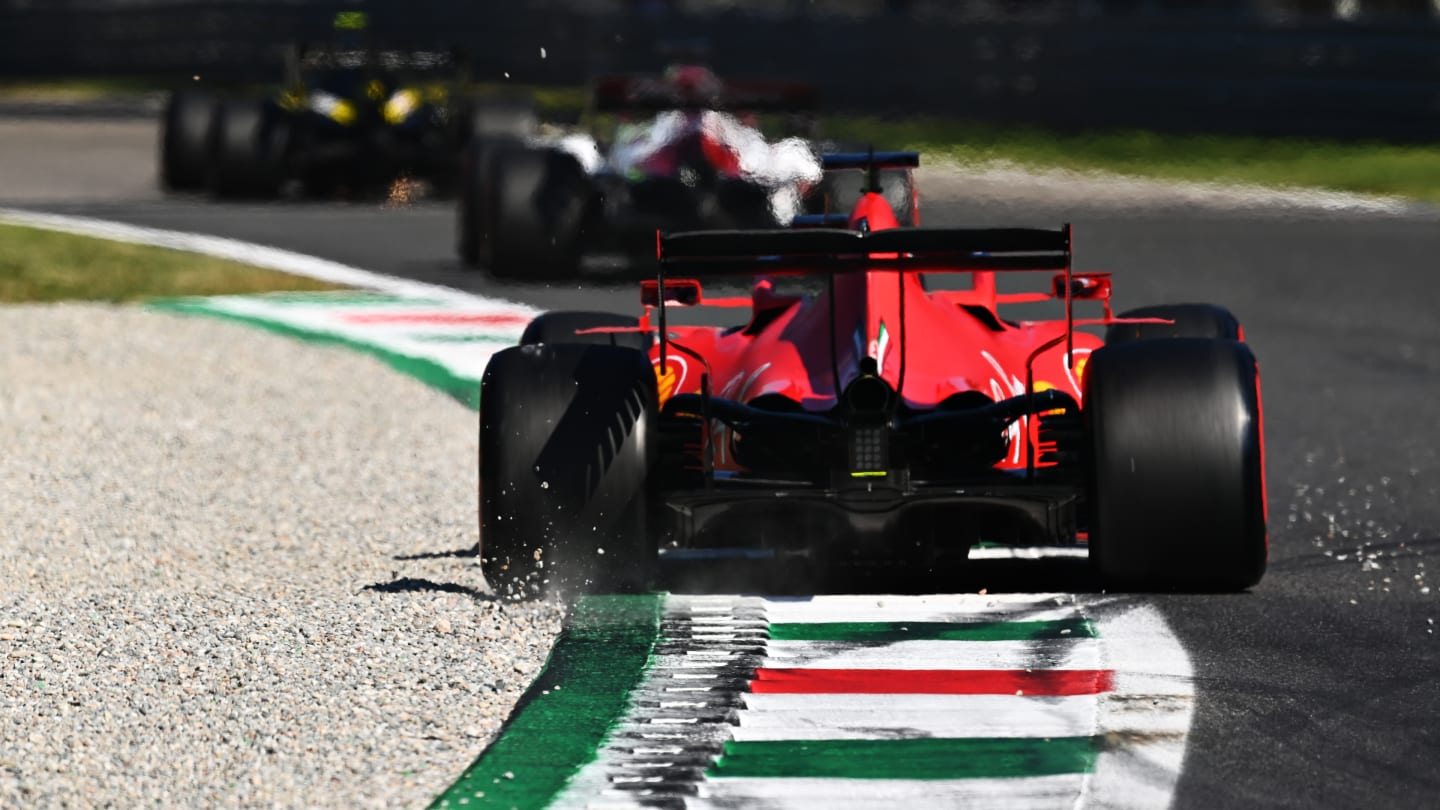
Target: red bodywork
(952, 343)
(695, 92)
(692, 144)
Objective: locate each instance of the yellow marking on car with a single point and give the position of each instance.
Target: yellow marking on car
(666, 381)
(291, 99)
(1046, 385)
(343, 112)
(400, 105)
(351, 21)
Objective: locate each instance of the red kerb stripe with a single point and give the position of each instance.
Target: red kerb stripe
(1040, 682)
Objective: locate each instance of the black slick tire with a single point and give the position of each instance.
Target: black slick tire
(539, 203)
(473, 218)
(560, 327)
(243, 151)
(184, 140)
(1175, 455)
(502, 118)
(566, 455)
(1190, 321)
(487, 126)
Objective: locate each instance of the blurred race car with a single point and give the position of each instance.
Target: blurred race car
(532, 207)
(346, 118)
(874, 420)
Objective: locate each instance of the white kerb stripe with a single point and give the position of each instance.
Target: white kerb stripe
(1082, 653)
(963, 607)
(887, 717)
(844, 794)
(1148, 716)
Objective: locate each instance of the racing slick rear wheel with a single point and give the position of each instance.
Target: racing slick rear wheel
(560, 327)
(566, 454)
(487, 126)
(473, 217)
(539, 200)
(512, 119)
(1174, 449)
(244, 152)
(184, 139)
(1190, 321)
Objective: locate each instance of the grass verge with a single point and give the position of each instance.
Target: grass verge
(38, 266)
(1361, 167)
(76, 89)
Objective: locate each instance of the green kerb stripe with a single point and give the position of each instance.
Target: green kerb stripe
(933, 631)
(969, 758)
(464, 389)
(563, 718)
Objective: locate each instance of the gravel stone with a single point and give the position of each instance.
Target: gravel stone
(235, 570)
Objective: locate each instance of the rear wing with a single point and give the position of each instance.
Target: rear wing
(330, 56)
(834, 161)
(630, 93)
(700, 254)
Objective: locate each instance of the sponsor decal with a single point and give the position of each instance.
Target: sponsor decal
(879, 346)
(1077, 374)
(1003, 386)
(672, 378)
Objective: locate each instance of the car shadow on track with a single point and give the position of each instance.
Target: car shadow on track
(469, 551)
(421, 585)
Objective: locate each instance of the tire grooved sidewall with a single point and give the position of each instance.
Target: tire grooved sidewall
(565, 467)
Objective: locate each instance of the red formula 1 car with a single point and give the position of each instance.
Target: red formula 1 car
(876, 420)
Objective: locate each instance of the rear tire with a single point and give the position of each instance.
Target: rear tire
(539, 202)
(1191, 321)
(473, 214)
(566, 454)
(509, 119)
(1175, 453)
(486, 126)
(244, 151)
(184, 140)
(560, 327)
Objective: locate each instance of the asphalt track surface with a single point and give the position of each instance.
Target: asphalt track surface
(1317, 689)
